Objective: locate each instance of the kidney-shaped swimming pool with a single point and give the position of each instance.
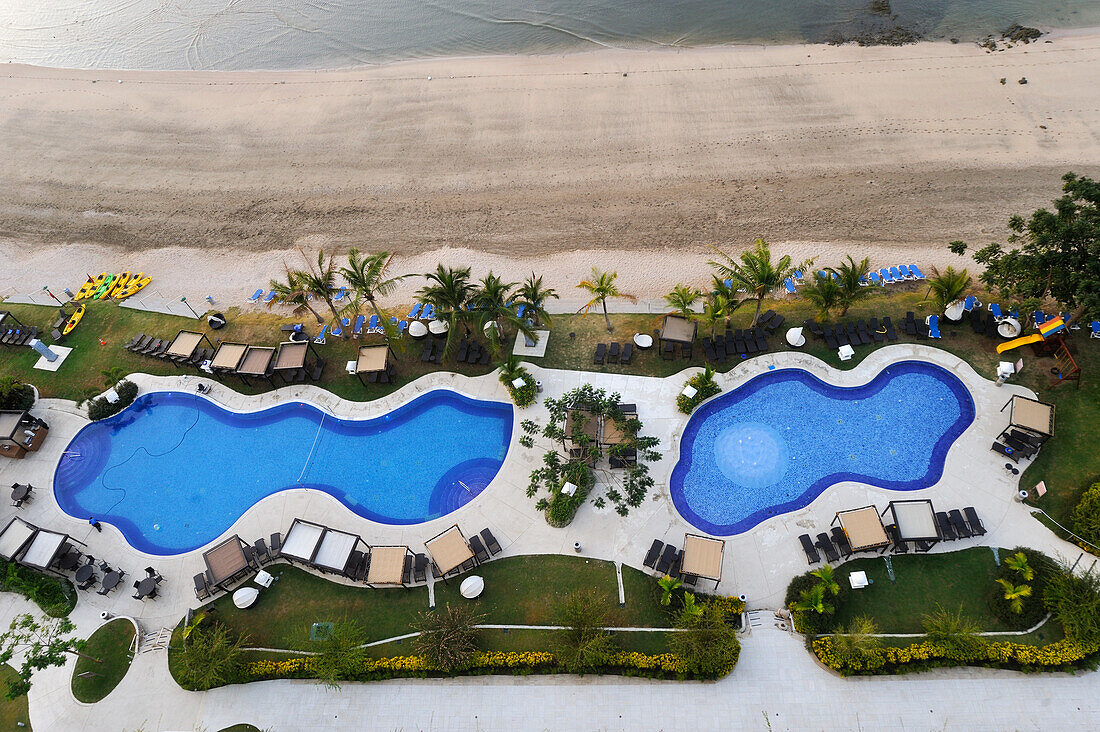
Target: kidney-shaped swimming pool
(174, 470)
(774, 444)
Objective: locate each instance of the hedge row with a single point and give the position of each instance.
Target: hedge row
(100, 408)
(705, 388)
(55, 595)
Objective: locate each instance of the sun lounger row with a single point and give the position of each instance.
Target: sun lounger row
(953, 526)
(614, 353)
(1015, 444)
(891, 275)
(665, 559)
(472, 352)
(739, 343)
(833, 546)
(18, 336)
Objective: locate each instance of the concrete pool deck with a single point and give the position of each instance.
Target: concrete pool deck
(758, 563)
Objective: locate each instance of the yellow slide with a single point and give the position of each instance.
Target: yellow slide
(1017, 342)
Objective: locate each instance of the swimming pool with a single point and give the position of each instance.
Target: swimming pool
(174, 470)
(777, 442)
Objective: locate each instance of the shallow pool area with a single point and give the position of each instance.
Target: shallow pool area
(174, 470)
(777, 442)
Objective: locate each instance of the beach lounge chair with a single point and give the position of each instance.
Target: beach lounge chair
(888, 324)
(613, 353)
(478, 549)
(915, 271)
(708, 349)
(976, 525)
(490, 541)
(340, 294)
(977, 321)
(1023, 448)
(420, 568)
(428, 312)
(357, 331)
(896, 274)
(761, 340)
(320, 339)
(415, 312)
(959, 523)
(652, 555)
(789, 286)
(864, 282)
(875, 279)
(668, 556)
(853, 335)
(402, 326)
(256, 295)
(426, 355)
(407, 570)
(765, 318)
(812, 557)
(1005, 450)
(276, 541)
(905, 273)
(1038, 317)
(825, 544)
(270, 296)
(864, 332)
(141, 345)
(933, 323)
(830, 338)
(154, 348)
(878, 332)
(134, 341)
(841, 540)
(971, 302)
(798, 277)
(899, 546)
(887, 278)
(628, 352)
(372, 325)
(995, 308)
(946, 528)
(202, 590)
(600, 354)
(775, 323)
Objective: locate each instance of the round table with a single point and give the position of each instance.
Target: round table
(439, 327)
(471, 587)
(111, 580)
(20, 492)
(84, 572)
(643, 340)
(417, 329)
(68, 560)
(147, 588)
(245, 596)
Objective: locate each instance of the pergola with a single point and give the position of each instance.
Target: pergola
(387, 565)
(256, 363)
(863, 527)
(371, 360)
(916, 522)
(302, 541)
(334, 551)
(703, 557)
(1032, 415)
(290, 361)
(450, 552)
(228, 357)
(15, 537)
(183, 346)
(227, 561)
(678, 329)
(45, 548)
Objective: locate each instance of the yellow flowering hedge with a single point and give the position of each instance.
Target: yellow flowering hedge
(664, 665)
(888, 659)
(729, 605)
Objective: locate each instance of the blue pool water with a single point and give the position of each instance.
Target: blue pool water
(174, 470)
(774, 444)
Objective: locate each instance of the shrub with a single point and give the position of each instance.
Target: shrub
(1033, 609)
(705, 387)
(102, 409)
(707, 644)
(585, 643)
(812, 623)
(1074, 600)
(15, 395)
(448, 638)
(562, 508)
(1086, 517)
(209, 657)
(56, 596)
(341, 653)
(510, 370)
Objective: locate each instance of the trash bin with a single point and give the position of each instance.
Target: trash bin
(538, 386)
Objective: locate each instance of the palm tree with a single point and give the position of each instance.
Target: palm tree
(858, 640)
(814, 600)
(449, 290)
(946, 288)
(668, 585)
(367, 277)
(714, 312)
(849, 275)
(682, 299)
(754, 271)
(691, 611)
(952, 629)
(534, 296)
(1018, 563)
(1015, 595)
(320, 280)
(292, 293)
(113, 375)
(493, 304)
(828, 578)
(600, 287)
(824, 294)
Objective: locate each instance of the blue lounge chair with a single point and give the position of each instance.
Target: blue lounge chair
(933, 326)
(915, 271)
(995, 308)
(321, 336)
(372, 326)
(789, 285)
(864, 282)
(875, 279)
(1095, 325)
(970, 303)
(340, 294)
(896, 274)
(270, 296)
(834, 275)
(339, 329)
(402, 326)
(823, 274)
(520, 311)
(358, 329)
(798, 276)
(415, 312)
(1072, 323)
(905, 273)
(429, 312)
(728, 283)
(887, 278)
(1039, 317)
(256, 295)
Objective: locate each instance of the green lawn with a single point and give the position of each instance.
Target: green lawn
(519, 591)
(923, 581)
(111, 645)
(12, 711)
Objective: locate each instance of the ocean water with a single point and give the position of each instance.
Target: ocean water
(776, 443)
(174, 471)
(312, 34)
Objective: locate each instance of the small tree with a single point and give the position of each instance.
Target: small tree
(682, 299)
(668, 585)
(952, 629)
(849, 278)
(534, 296)
(946, 287)
(42, 643)
(707, 644)
(1015, 594)
(814, 600)
(1074, 600)
(113, 375)
(341, 654)
(209, 657)
(858, 643)
(585, 643)
(755, 271)
(602, 286)
(1018, 563)
(448, 638)
(824, 294)
(1086, 515)
(827, 577)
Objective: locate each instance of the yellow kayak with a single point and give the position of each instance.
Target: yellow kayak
(89, 287)
(119, 284)
(73, 320)
(104, 288)
(137, 282)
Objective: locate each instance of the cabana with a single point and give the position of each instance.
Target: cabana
(450, 552)
(334, 551)
(302, 541)
(227, 561)
(183, 346)
(612, 435)
(1036, 417)
(372, 360)
(916, 522)
(678, 329)
(20, 433)
(15, 537)
(290, 362)
(387, 565)
(46, 548)
(702, 557)
(256, 363)
(228, 358)
(863, 527)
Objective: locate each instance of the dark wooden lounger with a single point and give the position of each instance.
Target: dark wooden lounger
(653, 553)
(961, 528)
(664, 564)
(841, 540)
(812, 557)
(825, 544)
(975, 523)
(946, 528)
(478, 549)
(490, 541)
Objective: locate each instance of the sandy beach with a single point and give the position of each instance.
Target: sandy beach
(633, 160)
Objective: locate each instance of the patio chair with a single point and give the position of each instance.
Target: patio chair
(276, 540)
(478, 549)
(355, 561)
(825, 544)
(653, 554)
(686, 350)
(899, 546)
(789, 286)
(668, 351)
(613, 353)
(600, 354)
(1024, 449)
(262, 554)
(415, 312)
(961, 528)
(677, 563)
(915, 271)
(628, 352)
(664, 564)
(830, 337)
(812, 557)
(896, 274)
(688, 580)
(490, 541)
(887, 278)
(361, 570)
(888, 324)
(154, 575)
(256, 295)
(946, 528)
(976, 525)
(407, 570)
(841, 540)
(420, 568)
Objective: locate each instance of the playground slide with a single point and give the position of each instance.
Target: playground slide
(1017, 342)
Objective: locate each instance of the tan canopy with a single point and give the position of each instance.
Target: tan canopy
(863, 527)
(184, 344)
(679, 329)
(1032, 415)
(228, 356)
(591, 425)
(256, 360)
(702, 557)
(372, 358)
(226, 559)
(292, 355)
(449, 550)
(387, 565)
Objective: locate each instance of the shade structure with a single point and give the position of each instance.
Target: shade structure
(184, 344)
(387, 565)
(438, 327)
(916, 520)
(256, 361)
(43, 549)
(612, 434)
(449, 550)
(335, 549)
(372, 358)
(417, 329)
(15, 536)
(228, 356)
(795, 337)
(1032, 414)
(590, 427)
(227, 560)
(702, 557)
(302, 540)
(678, 329)
(863, 527)
(291, 355)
